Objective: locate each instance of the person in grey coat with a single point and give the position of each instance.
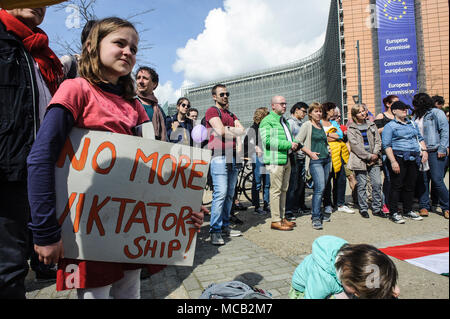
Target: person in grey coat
(365, 160)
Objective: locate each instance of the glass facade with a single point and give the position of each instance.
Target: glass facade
(331, 74)
(314, 78)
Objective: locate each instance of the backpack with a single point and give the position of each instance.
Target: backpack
(203, 121)
(234, 290)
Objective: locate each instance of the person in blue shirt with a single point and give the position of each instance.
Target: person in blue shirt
(433, 125)
(336, 269)
(406, 150)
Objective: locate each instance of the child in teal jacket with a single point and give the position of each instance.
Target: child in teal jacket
(336, 269)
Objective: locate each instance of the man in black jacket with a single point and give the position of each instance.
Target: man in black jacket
(24, 94)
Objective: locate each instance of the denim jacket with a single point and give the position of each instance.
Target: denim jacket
(435, 131)
(401, 136)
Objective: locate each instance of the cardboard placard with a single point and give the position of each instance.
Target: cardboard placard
(122, 198)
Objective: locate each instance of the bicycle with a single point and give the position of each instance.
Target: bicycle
(243, 186)
(245, 181)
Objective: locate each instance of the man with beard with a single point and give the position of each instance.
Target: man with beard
(147, 81)
(225, 129)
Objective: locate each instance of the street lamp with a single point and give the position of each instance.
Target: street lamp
(359, 75)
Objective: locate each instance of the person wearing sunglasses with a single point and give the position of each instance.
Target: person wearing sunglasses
(179, 126)
(224, 129)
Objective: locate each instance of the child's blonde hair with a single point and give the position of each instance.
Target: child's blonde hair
(370, 272)
(90, 66)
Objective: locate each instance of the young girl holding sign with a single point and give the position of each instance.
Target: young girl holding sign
(101, 99)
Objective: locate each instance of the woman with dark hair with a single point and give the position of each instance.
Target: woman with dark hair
(406, 150)
(179, 126)
(339, 157)
(381, 120)
(433, 126)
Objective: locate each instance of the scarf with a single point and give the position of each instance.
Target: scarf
(36, 43)
(158, 120)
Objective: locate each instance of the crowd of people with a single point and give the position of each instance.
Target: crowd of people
(411, 148)
(44, 97)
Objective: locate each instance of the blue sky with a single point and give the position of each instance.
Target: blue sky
(194, 41)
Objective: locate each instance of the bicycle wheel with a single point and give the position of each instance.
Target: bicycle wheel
(247, 186)
(309, 183)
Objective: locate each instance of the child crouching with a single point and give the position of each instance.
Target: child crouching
(337, 269)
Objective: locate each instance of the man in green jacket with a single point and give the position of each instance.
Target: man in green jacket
(279, 146)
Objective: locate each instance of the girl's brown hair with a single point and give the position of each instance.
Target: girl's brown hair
(260, 113)
(370, 272)
(90, 67)
(313, 106)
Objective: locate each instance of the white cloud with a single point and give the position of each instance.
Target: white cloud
(250, 35)
(167, 93)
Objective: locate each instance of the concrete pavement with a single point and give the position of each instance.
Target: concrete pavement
(240, 259)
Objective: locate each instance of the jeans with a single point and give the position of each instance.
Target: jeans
(14, 239)
(224, 182)
(339, 187)
(320, 170)
(436, 175)
(296, 192)
(260, 178)
(402, 185)
(374, 174)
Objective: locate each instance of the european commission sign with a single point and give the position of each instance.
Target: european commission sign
(397, 48)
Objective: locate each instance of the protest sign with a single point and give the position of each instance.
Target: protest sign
(122, 198)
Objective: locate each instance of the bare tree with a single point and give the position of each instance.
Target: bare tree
(86, 10)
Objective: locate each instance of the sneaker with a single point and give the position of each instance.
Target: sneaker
(259, 211)
(397, 218)
(216, 239)
(446, 214)
(267, 209)
(413, 215)
(227, 232)
(289, 216)
(423, 212)
(328, 210)
(317, 224)
(385, 209)
(379, 214)
(345, 209)
(364, 214)
(326, 218)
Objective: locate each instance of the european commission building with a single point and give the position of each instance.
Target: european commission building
(331, 74)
